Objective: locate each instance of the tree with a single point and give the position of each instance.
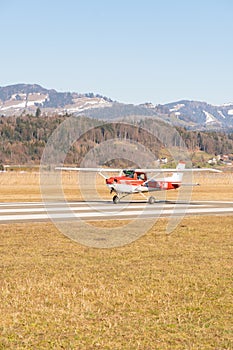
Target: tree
(38, 112)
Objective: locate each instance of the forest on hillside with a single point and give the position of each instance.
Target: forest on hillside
(23, 139)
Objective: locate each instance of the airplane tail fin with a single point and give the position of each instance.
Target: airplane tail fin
(177, 177)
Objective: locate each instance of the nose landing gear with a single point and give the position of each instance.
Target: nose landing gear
(151, 200)
(116, 199)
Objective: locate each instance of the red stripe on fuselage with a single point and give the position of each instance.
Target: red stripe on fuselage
(151, 185)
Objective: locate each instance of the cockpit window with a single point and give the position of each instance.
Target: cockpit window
(129, 173)
(141, 176)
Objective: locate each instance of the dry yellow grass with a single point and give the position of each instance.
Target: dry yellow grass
(160, 292)
(15, 186)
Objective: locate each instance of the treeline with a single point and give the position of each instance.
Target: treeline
(211, 142)
(23, 139)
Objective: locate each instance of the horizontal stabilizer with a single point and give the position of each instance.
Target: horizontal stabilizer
(183, 184)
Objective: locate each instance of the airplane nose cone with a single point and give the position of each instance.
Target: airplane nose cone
(110, 181)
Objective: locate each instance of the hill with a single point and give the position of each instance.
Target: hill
(22, 99)
(19, 98)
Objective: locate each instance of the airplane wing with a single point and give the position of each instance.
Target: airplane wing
(173, 170)
(96, 170)
(143, 170)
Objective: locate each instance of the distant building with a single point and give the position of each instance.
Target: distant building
(212, 161)
(163, 160)
(223, 159)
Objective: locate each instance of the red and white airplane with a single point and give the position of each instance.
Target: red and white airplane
(130, 181)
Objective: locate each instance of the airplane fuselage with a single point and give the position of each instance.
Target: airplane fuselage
(135, 182)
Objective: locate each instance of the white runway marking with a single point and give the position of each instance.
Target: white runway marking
(24, 212)
(79, 209)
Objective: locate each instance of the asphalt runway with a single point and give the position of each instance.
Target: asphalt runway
(106, 210)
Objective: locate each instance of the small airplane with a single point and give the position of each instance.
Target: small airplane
(130, 181)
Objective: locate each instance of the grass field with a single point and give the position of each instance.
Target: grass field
(16, 186)
(160, 292)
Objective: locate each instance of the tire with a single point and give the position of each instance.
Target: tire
(116, 199)
(151, 200)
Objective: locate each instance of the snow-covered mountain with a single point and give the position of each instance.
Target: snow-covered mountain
(15, 99)
(26, 98)
(202, 114)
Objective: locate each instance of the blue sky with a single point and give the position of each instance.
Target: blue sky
(132, 51)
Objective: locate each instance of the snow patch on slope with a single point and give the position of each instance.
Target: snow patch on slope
(221, 114)
(209, 118)
(86, 103)
(14, 106)
(177, 107)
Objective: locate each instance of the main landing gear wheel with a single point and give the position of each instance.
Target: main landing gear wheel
(116, 199)
(151, 200)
